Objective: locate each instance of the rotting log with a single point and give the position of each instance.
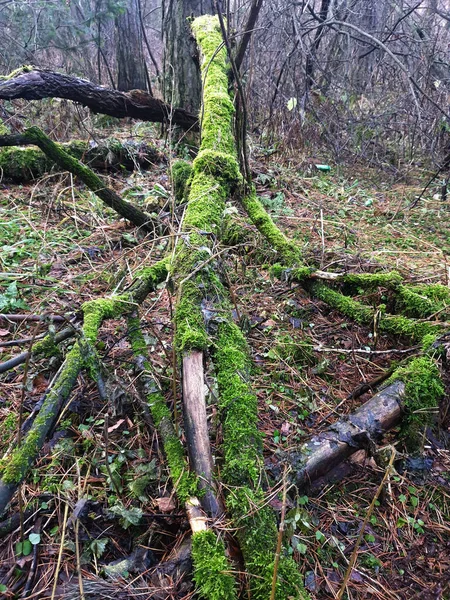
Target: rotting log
(31, 83)
(360, 430)
(107, 195)
(21, 164)
(14, 466)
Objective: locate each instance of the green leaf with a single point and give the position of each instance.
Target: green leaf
(3, 588)
(292, 103)
(320, 537)
(414, 501)
(98, 546)
(34, 538)
(27, 548)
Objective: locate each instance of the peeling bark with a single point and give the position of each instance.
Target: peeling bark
(362, 429)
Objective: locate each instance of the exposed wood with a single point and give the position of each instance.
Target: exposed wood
(359, 430)
(137, 104)
(196, 426)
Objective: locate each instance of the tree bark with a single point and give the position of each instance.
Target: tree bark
(130, 56)
(358, 431)
(182, 84)
(42, 83)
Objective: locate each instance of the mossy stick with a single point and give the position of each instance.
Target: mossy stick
(208, 552)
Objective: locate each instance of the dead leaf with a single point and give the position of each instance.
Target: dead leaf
(4, 332)
(116, 425)
(40, 383)
(166, 505)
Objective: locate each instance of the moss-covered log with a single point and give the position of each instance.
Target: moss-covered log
(31, 83)
(14, 467)
(89, 178)
(208, 552)
(21, 164)
(203, 312)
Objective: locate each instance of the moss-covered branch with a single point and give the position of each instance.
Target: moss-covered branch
(14, 467)
(208, 552)
(89, 178)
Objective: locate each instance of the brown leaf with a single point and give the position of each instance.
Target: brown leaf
(166, 504)
(39, 384)
(4, 332)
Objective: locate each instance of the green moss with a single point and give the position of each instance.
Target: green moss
(428, 341)
(423, 392)
(239, 408)
(46, 347)
(415, 304)
(14, 468)
(223, 167)
(257, 535)
(20, 71)
(95, 311)
(242, 447)
(300, 274)
(391, 279)
(185, 483)
(364, 315)
(287, 250)
(217, 110)
(21, 164)
(211, 572)
(180, 173)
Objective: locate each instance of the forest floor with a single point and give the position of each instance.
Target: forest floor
(101, 489)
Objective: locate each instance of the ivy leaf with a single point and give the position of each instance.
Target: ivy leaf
(34, 538)
(98, 546)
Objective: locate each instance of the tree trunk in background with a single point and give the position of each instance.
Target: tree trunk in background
(182, 83)
(130, 53)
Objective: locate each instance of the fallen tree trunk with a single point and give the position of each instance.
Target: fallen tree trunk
(34, 84)
(20, 164)
(360, 430)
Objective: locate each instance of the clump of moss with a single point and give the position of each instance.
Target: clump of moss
(391, 279)
(415, 304)
(423, 391)
(211, 567)
(20, 71)
(180, 172)
(288, 251)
